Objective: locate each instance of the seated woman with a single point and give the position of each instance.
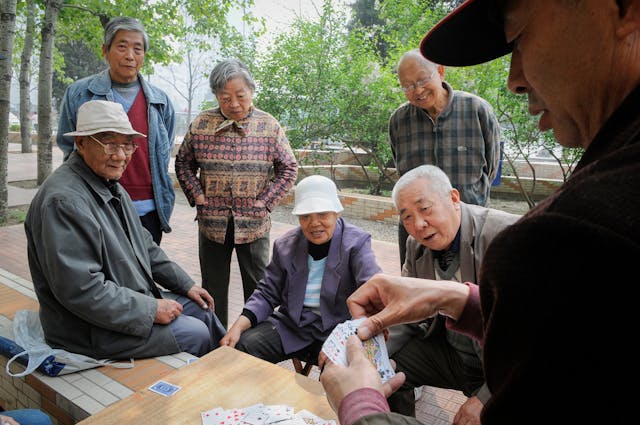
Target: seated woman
(314, 268)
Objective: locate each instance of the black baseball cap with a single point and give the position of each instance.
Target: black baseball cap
(472, 33)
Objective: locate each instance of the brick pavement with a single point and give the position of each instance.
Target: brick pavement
(435, 407)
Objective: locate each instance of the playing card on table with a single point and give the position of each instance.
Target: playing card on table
(256, 414)
(164, 388)
(375, 348)
(278, 412)
(213, 416)
(311, 419)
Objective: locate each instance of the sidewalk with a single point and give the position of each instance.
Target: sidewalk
(435, 407)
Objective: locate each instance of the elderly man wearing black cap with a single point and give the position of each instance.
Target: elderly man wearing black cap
(549, 278)
(95, 268)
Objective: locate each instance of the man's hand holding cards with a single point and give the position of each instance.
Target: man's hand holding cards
(335, 348)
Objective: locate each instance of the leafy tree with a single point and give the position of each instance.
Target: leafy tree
(25, 75)
(7, 36)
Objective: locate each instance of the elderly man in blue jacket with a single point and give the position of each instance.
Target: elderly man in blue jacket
(150, 111)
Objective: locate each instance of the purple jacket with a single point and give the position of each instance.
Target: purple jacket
(350, 263)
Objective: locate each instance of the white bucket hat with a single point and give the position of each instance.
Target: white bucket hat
(315, 194)
(99, 116)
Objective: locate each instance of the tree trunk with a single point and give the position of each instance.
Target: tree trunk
(7, 35)
(52, 9)
(25, 79)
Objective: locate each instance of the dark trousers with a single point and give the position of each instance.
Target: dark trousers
(197, 331)
(215, 267)
(403, 235)
(431, 361)
(151, 222)
(263, 341)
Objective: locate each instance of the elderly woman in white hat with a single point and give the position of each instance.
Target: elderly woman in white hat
(314, 268)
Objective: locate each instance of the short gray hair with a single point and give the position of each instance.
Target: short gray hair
(127, 24)
(226, 71)
(436, 179)
(417, 55)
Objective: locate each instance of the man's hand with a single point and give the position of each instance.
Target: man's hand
(201, 297)
(167, 311)
(391, 300)
(469, 412)
(5, 420)
(338, 381)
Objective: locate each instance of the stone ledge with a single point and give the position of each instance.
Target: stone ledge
(69, 398)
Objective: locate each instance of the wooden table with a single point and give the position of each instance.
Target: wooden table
(225, 378)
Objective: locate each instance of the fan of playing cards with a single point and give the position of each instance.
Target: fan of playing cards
(335, 347)
(261, 414)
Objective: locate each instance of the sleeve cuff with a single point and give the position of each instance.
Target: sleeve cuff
(359, 403)
(249, 315)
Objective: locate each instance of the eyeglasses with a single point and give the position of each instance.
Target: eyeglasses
(113, 148)
(419, 83)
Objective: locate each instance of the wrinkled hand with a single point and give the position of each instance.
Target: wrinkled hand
(5, 420)
(233, 334)
(167, 311)
(201, 297)
(469, 412)
(200, 200)
(338, 381)
(391, 300)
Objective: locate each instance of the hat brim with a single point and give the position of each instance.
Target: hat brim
(469, 35)
(105, 130)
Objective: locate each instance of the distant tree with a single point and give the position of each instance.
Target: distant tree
(365, 18)
(25, 76)
(80, 60)
(7, 36)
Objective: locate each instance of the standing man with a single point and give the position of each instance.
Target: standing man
(557, 297)
(448, 239)
(451, 129)
(150, 111)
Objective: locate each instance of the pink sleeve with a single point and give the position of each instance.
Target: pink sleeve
(470, 321)
(359, 403)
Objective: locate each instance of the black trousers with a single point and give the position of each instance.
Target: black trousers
(151, 222)
(431, 361)
(215, 267)
(263, 341)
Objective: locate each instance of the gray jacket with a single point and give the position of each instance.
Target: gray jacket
(95, 286)
(478, 227)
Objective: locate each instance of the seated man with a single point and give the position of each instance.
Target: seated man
(447, 241)
(95, 268)
(314, 268)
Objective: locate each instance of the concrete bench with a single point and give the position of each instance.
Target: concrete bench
(69, 398)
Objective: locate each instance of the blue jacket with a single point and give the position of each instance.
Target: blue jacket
(161, 135)
(350, 263)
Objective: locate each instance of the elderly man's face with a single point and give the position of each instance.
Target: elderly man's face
(125, 56)
(235, 99)
(433, 220)
(318, 228)
(425, 83)
(563, 59)
(107, 166)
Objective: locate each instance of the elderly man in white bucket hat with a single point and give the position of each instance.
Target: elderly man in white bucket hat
(314, 268)
(95, 268)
